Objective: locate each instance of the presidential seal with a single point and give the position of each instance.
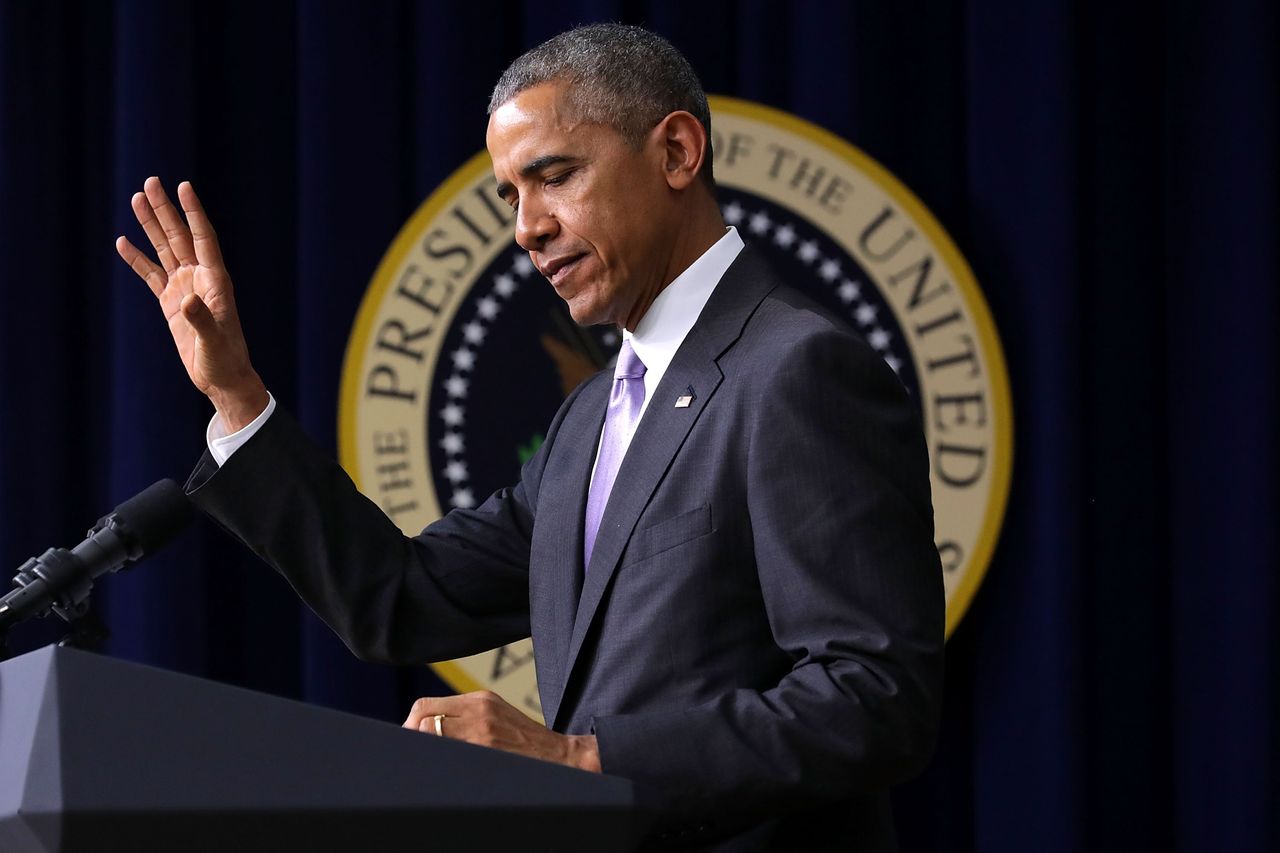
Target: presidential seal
(461, 353)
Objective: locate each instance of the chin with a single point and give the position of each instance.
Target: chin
(585, 313)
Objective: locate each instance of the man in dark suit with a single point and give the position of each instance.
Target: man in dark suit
(723, 549)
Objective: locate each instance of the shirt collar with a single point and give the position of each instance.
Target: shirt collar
(664, 326)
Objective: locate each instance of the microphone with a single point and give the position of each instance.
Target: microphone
(60, 580)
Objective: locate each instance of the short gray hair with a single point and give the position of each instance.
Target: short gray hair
(621, 76)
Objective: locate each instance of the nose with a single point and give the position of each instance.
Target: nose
(535, 225)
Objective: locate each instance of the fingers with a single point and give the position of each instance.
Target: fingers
(486, 719)
(421, 714)
(477, 717)
(207, 251)
(154, 276)
(175, 230)
(154, 231)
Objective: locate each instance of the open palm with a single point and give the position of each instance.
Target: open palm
(195, 295)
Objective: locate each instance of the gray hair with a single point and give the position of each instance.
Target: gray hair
(621, 76)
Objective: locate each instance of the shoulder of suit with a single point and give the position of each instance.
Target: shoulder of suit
(789, 331)
(780, 304)
(787, 318)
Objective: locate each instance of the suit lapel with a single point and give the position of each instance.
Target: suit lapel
(561, 509)
(658, 438)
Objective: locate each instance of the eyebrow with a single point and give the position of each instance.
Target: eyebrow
(532, 168)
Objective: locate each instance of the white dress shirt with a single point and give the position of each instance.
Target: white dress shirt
(657, 337)
(667, 322)
(222, 445)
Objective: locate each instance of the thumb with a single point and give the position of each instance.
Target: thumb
(198, 315)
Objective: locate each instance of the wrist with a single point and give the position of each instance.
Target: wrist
(238, 407)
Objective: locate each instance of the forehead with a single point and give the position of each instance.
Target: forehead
(540, 107)
(538, 122)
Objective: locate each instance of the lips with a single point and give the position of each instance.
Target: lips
(556, 269)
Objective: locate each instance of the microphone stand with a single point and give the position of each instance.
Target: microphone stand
(59, 580)
(87, 633)
(86, 630)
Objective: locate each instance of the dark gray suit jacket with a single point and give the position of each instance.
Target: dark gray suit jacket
(759, 634)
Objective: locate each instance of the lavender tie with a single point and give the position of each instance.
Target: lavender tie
(620, 420)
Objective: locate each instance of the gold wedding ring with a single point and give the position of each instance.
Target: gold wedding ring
(438, 719)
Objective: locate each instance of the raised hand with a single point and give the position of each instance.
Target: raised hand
(195, 294)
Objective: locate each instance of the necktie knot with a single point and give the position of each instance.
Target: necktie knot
(629, 365)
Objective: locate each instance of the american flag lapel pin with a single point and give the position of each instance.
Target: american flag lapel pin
(683, 401)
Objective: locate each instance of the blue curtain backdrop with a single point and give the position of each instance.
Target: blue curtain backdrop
(1110, 171)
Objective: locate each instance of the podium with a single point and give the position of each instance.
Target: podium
(98, 754)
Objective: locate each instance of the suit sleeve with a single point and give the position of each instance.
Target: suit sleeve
(459, 587)
(842, 529)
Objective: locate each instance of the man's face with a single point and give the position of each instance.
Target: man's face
(590, 209)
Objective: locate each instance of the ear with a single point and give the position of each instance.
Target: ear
(684, 147)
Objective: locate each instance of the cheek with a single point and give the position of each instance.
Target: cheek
(617, 235)
(611, 218)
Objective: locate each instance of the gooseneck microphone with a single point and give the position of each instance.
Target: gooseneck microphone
(60, 580)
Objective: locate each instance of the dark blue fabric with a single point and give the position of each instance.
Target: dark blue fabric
(1109, 171)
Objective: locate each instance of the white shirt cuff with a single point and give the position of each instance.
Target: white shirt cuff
(221, 445)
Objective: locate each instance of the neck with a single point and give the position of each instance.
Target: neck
(696, 233)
